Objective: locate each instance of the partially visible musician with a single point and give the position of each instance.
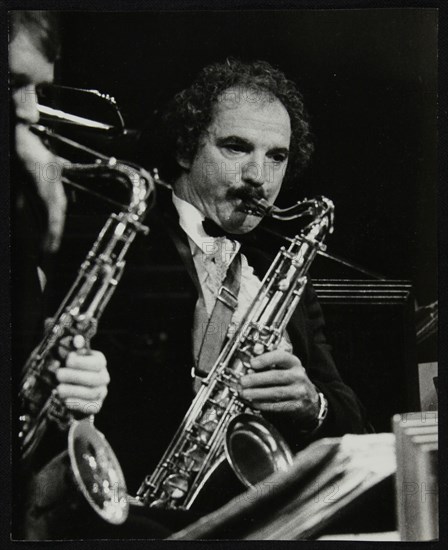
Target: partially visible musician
(38, 197)
(38, 214)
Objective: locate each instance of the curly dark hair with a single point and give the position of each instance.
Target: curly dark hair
(190, 113)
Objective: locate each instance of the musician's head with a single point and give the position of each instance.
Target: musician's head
(240, 129)
(33, 50)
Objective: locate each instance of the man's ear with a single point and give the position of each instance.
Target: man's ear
(183, 162)
(182, 159)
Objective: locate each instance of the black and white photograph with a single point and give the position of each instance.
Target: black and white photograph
(223, 283)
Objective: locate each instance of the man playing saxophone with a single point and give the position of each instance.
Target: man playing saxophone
(239, 133)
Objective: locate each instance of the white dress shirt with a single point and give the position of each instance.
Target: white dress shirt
(212, 256)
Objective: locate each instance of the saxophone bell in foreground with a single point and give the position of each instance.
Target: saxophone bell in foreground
(219, 425)
(95, 467)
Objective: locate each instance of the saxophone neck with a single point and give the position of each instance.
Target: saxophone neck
(318, 208)
(322, 211)
(141, 185)
(137, 180)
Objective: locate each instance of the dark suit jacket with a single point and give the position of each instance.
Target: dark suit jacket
(146, 337)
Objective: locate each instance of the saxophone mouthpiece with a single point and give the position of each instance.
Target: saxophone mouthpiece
(258, 207)
(318, 207)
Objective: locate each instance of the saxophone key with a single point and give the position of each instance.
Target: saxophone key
(79, 342)
(218, 400)
(147, 483)
(204, 429)
(221, 394)
(199, 437)
(176, 486)
(239, 367)
(169, 464)
(160, 503)
(227, 378)
(193, 458)
(258, 348)
(181, 466)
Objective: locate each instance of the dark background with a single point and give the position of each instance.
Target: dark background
(369, 80)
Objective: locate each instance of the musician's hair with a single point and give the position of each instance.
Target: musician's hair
(191, 111)
(41, 26)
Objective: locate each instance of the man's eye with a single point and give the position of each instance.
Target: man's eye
(235, 148)
(17, 81)
(279, 158)
(42, 91)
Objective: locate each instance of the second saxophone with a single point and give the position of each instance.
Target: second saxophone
(94, 465)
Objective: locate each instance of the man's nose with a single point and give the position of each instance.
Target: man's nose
(26, 104)
(254, 173)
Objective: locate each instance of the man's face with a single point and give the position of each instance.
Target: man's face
(244, 153)
(28, 68)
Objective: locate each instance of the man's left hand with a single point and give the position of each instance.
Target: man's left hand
(83, 382)
(279, 383)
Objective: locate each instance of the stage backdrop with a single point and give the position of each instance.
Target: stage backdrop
(369, 79)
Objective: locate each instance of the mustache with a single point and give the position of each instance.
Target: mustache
(246, 194)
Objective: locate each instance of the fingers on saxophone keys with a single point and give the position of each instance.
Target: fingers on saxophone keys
(259, 396)
(95, 361)
(267, 379)
(84, 406)
(70, 392)
(86, 378)
(284, 406)
(280, 358)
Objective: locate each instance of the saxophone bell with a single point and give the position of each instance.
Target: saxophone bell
(97, 472)
(255, 449)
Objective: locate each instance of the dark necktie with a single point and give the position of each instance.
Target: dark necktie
(214, 230)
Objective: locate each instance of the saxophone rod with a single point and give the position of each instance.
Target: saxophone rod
(73, 119)
(334, 258)
(88, 191)
(43, 131)
(352, 265)
(48, 113)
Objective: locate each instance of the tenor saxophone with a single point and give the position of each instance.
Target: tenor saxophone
(220, 425)
(96, 469)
